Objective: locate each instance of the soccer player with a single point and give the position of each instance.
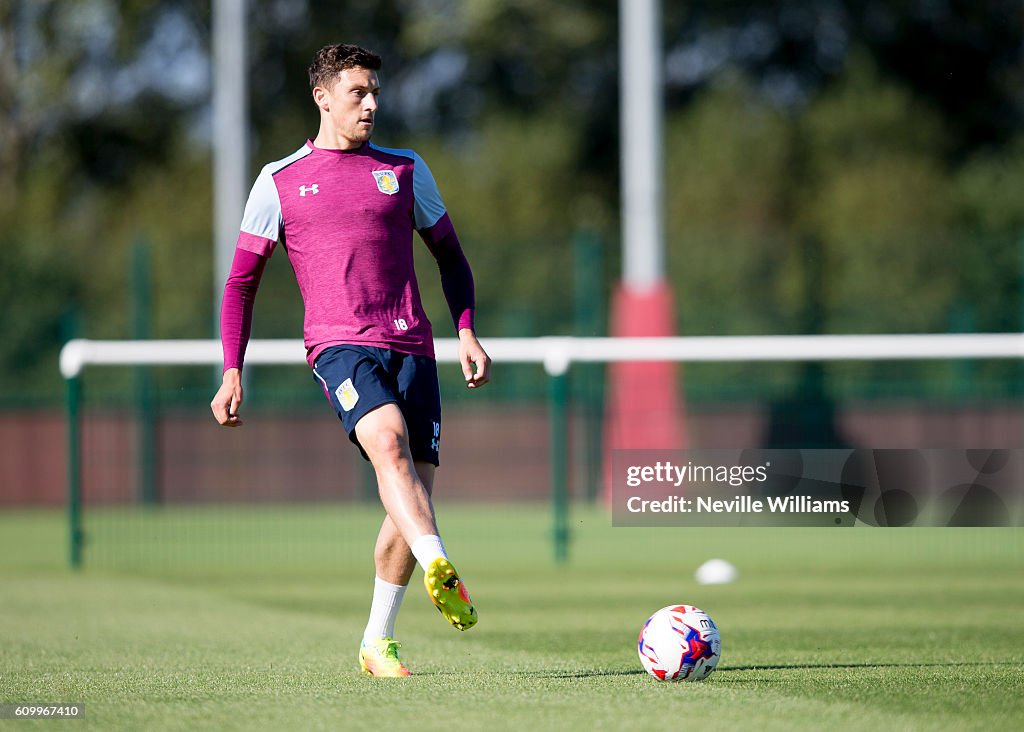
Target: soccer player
(344, 210)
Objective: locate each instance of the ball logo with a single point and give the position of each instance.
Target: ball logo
(387, 181)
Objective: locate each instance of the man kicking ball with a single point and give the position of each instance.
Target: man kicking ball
(345, 210)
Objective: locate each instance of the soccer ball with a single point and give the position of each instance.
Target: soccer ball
(679, 643)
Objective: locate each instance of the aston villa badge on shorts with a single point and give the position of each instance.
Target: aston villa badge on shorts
(387, 181)
(347, 395)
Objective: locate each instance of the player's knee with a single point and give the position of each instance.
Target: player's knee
(387, 445)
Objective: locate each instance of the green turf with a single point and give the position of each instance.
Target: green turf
(248, 619)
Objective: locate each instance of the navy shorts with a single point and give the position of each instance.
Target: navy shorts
(358, 379)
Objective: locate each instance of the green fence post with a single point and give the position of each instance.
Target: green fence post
(557, 369)
(146, 417)
(1020, 327)
(587, 392)
(74, 400)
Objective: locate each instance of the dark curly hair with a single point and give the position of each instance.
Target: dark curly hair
(332, 60)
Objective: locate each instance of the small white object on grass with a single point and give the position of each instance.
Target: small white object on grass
(716, 572)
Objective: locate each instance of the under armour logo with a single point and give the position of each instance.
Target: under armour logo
(434, 445)
(314, 189)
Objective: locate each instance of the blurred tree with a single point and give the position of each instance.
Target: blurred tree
(92, 123)
(726, 192)
(963, 57)
(898, 160)
(989, 210)
(515, 195)
(879, 199)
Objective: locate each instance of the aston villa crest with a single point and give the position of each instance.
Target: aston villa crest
(387, 181)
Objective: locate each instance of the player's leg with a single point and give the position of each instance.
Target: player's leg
(442, 582)
(366, 386)
(392, 558)
(378, 651)
(394, 564)
(386, 440)
(420, 402)
(383, 435)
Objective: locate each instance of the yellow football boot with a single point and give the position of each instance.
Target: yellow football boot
(449, 594)
(380, 658)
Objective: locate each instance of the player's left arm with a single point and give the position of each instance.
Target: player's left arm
(460, 294)
(476, 364)
(436, 229)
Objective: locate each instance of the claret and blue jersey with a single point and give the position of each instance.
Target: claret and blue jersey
(346, 219)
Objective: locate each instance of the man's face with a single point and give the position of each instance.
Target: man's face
(351, 104)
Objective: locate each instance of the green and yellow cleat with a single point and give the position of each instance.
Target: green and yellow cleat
(449, 594)
(379, 658)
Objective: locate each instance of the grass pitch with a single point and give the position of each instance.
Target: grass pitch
(241, 619)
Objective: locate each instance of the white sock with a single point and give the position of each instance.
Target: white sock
(387, 599)
(428, 548)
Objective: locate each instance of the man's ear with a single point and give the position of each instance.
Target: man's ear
(320, 98)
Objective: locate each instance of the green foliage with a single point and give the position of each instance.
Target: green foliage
(33, 328)
(877, 196)
(726, 186)
(846, 218)
(878, 201)
(859, 175)
(511, 192)
(988, 187)
(991, 261)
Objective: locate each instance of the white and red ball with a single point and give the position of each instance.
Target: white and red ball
(679, 643)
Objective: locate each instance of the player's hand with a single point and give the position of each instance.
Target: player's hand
(472, 354)
(228, 399)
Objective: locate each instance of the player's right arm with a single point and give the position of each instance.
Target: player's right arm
(228, 399)
(261, 225)
(235, 328)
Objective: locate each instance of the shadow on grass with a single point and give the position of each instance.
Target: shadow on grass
(588, 674)
(799, 666)
(553, 674)
(775, 667)
(582, 674)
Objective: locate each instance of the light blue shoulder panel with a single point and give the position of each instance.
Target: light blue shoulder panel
(428, 206)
